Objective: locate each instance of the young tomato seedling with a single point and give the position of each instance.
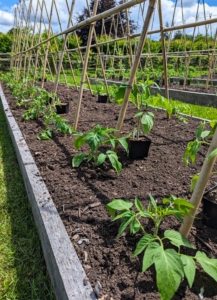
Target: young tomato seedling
(95, 138)
(170, 264)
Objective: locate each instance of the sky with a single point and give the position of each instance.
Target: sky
(189, 14)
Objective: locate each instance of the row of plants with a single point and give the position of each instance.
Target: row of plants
(170, 263)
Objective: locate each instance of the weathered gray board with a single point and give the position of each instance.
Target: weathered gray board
(65, 270)
(203, 99)
(197, 80)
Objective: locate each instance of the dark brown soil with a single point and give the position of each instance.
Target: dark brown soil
(81, 194)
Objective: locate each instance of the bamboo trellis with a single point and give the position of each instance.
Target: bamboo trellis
(26, 54)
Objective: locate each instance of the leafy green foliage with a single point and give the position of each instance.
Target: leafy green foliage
(194, 146)
(95, 138)
(171, 265)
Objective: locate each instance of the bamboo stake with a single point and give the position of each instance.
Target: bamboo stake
(99, 54)
(13, 38)
(85, 67)
(63, 50)
(200, 188)
(122, 113)
(33, 33)
(79, 51)
(48, 44)
(163, 52)
(68, 56)
(39, 38)
(28, 26)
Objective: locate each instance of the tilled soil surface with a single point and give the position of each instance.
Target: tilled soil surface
(81, 195)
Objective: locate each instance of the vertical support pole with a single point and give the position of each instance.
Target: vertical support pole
(48, 44)
(199, 188)
(163, 51)
(143, 36)
(85, 67)
(63, 50)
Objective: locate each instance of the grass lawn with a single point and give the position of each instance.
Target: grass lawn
(23, 274)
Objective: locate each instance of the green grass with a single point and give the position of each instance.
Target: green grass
(23, 274)
(204, 112)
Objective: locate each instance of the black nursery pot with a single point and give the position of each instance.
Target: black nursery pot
(181, 81)
(138, 149)
(63, 108)
(40, 79)
(121, 77)
(171, 80)
(210, 208)
(102, 98)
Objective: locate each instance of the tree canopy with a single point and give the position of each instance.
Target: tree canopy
(113, 26)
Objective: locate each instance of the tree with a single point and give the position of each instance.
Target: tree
(113, 28)
(166, 34)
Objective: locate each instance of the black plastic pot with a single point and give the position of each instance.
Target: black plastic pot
(171, 80)
(157, 81)
(181, 81)
(120, 77)
(40, 79)
(63, 108)
(113, 76)
(103, 98)
(138, 149)
(210, 208)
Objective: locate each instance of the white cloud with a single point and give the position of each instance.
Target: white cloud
(6, 21)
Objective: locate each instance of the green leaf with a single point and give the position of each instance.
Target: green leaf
(114, 161)
(200, 130)
(139, 114)
(177, 239)
(147, 123)
(169, 269)
(119, 204)
(213, 153)
(124, 225)
(205, 133)
(194, 181)
(101, 158)
(138, 205)
(183, 205)
(142, 244)
(124, 144)
(134, 226)
(191, 151)
(79, 141)
(209, 265)
(148, 255)
(78, 159)
(125, 214)
(153, 202)
(189, 268)
(120, 92)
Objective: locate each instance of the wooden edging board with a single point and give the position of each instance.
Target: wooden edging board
(65, 270)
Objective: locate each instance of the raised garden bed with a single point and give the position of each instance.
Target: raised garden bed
(80, 195)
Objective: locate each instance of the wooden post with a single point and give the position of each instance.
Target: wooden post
(199, 188)
(149, 14)
(63, 50)
(163, 52)
(85, 67)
